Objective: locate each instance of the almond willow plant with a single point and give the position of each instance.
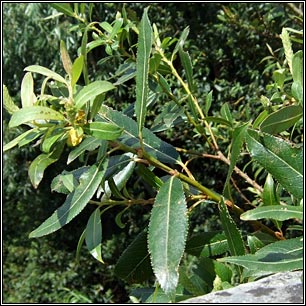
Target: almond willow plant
(113, 145)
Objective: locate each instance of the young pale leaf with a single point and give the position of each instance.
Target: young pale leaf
(47, 72)
(233, 235)
(75, 202)
(77, 68)
(287, 47)
(89, 92)
(159, 149)
(142, 69)
(134, 263)
(93, 236)
(269, 196)
(28, 97)
(103, 130)
(167, 233)
(281, 256)
(32, 113)
(276, 212)
(65, 58)
(282, 119)
(8, 101)
(280, 158)
(297, 67)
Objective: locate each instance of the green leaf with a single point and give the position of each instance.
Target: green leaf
(142, 69)
(77, 68)
(32, 113)
(297, 67)
(281, 256)
(260, 118)
(29, 135)
(282, 119)
(89, 92)
(180, 42)
(47, 72)
(88, 144)
(103, 130)
(186, 62)
(153, 145)
(287, 47)
(297, 91)
(65, 58)
(226, 113)
(233, 235)
(8, 102)
(79, 246)
(237, 142)
(64, 8)
(117, 26)
(51, 138)
(208, 101)
(134, 263)
(75, 202)
(93, 236)
(28, 97)
(276, 212)
(207, 244)
(269, 196)
(254, 244)
(283, 160)
(167, 233)
(148, 176)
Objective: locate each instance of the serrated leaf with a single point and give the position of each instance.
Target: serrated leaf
(8, 102)
(167, 233)
(282, 119)
(77, 68)
(75, 202)
(233, 235)
(237, 142)
(186, 62)
(93, 235)
(28, 97)
(153, 145)
(33, 113)
(134, 263)
(281, 256)
(63, 8)
(103, 130)
(89, 92)
(207, 244)
(88, 144)
(142, 69)
(276, 212)
(67, 64)
(283, 160)
(47, 72)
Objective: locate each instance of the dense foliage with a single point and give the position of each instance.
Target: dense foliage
(224, 135)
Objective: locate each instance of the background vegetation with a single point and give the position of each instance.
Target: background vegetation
(234, 48)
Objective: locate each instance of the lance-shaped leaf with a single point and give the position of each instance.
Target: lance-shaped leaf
(282, 119)
(186, 62)
(180, 42)
(33, 113)
(64, 8)
(93, 236)
(65, 58)
(142, 69)
(233, 235)
(47, 72)
(276, 212)
(103, 130)
(77, 68)
(75, 202)
(167, 233)
(134, 264)
(8, 102)
(28, 97)
(89, 92)
(283, 160)
(153, 145)
(269, 195)
(281, 256)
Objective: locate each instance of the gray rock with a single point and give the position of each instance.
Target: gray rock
(285, 287)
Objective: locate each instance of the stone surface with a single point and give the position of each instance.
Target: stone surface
(286, 287)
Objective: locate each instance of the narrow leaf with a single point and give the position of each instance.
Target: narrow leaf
(63, 8)
(134, 263)
(47, 72)
(33, 113)
(281, 256)
(93, 236)
(282, 119)
(65, 58)
(90, 91)
(142, 69)
(167, 233)
(77, 68)
(297, 67)
(276, 212)
(287, 47)
(269, 196)
(180, 42)
(75, 202)
(8, 102)
(28, 97)
(186, 62)
(103, 130)
(280, 158)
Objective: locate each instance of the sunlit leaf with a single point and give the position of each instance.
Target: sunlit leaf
(28, 97)
(77, 68)
(45, 71)
(103, 130)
